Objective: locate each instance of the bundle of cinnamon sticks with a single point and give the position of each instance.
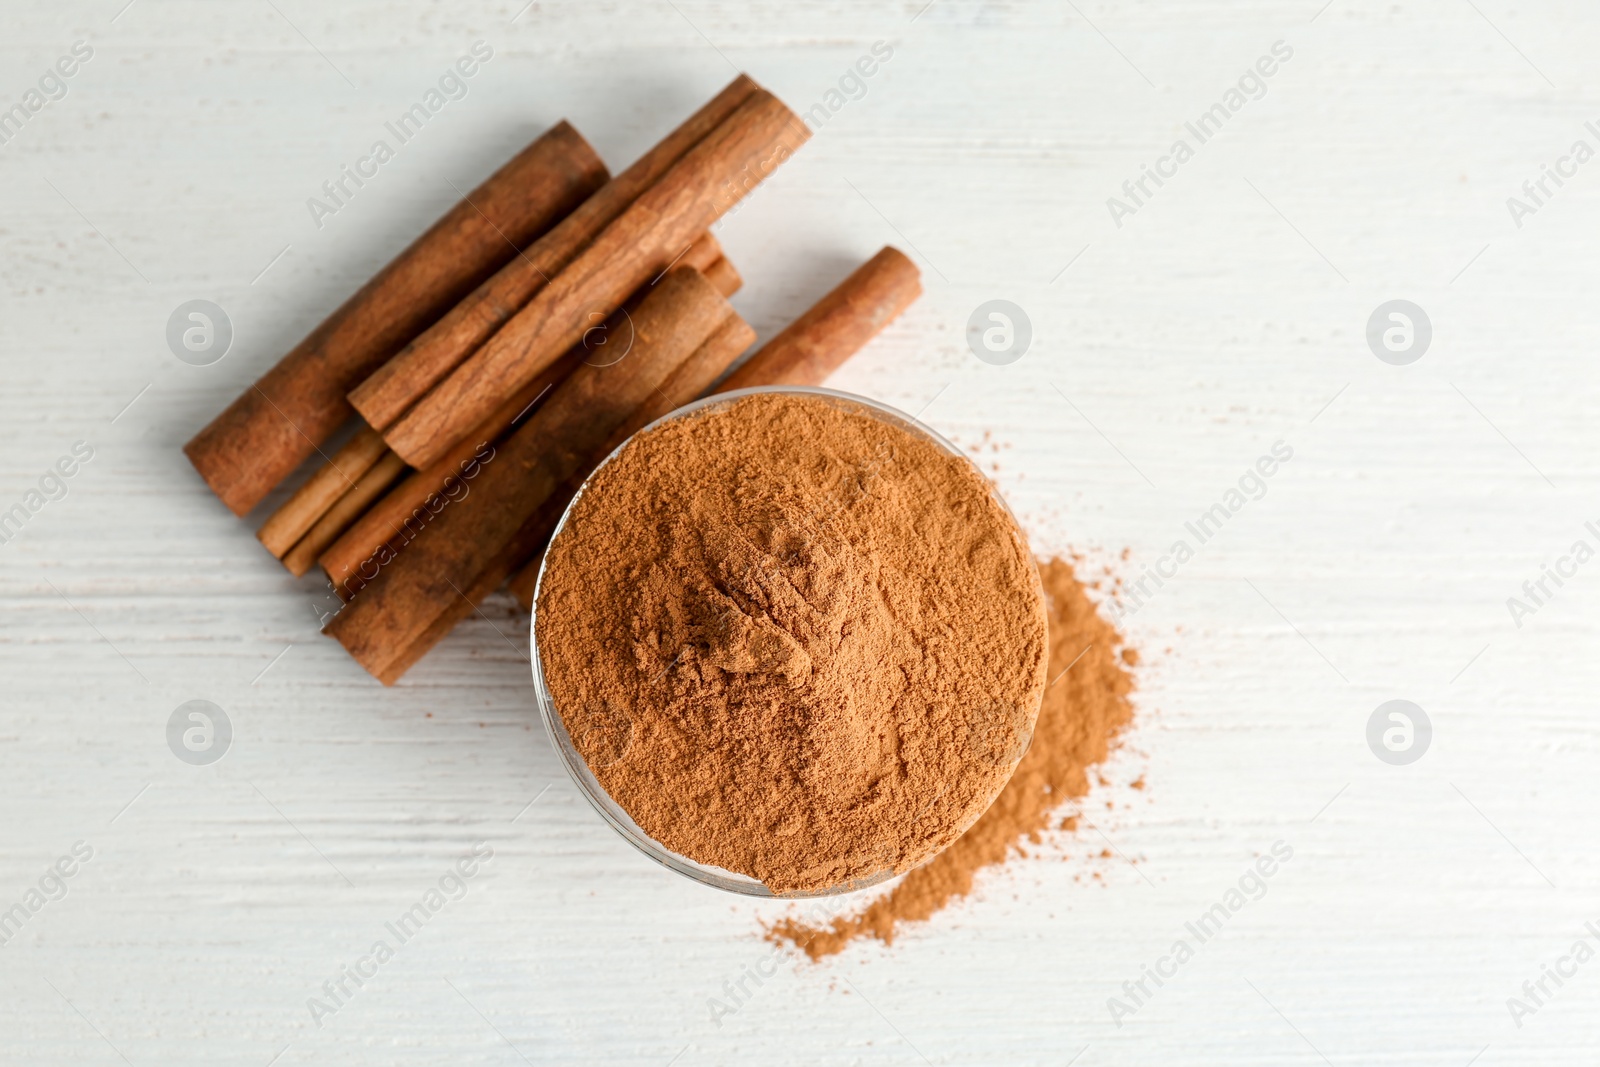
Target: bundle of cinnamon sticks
(481, 376)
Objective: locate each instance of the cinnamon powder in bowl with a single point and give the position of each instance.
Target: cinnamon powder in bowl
(789, 641)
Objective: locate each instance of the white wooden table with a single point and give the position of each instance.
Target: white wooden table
(1228, 312)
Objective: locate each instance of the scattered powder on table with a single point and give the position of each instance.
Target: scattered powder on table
(1085, 709)
(793, 640)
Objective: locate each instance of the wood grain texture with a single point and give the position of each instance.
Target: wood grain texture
(1176, 349)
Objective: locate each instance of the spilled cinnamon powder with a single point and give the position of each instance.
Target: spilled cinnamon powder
(1086, 707)
(794, 640)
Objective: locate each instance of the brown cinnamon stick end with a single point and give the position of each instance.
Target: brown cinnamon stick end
(356, 499)
(724, 275)
(222, 452)
(835, 327)
(298, 404)
(322, 491)
(701, 253)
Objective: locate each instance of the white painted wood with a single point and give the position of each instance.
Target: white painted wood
(1227, 314)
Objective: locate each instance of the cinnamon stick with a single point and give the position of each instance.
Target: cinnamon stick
(710, 178)
(464, 605)
(380, 626)
(719, 350)
(701, 254)
(324, 488)
(724, 276)
(297, 405)
(352, 560)
(402, 381)
(811, 348)
(835, 327)
(346, 510)
(321, 491)
(692, 377)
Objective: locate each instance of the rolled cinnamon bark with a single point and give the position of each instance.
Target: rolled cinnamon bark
(380, 626)
(835, 327)
(464, 605)
(692, 377)
(712, 177)
(392, 523)
(321, 491)
(394, 387)
(702, 253)
(719, 350)
(724, 276)
(369, 487)
(300, 403)
(351, 560)
(811, 348)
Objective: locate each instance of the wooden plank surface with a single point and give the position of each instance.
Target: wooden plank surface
(1229, 312)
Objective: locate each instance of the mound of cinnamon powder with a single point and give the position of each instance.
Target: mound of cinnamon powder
(1086, 707)
(793, 640)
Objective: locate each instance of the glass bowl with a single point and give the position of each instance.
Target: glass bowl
(578, 768)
